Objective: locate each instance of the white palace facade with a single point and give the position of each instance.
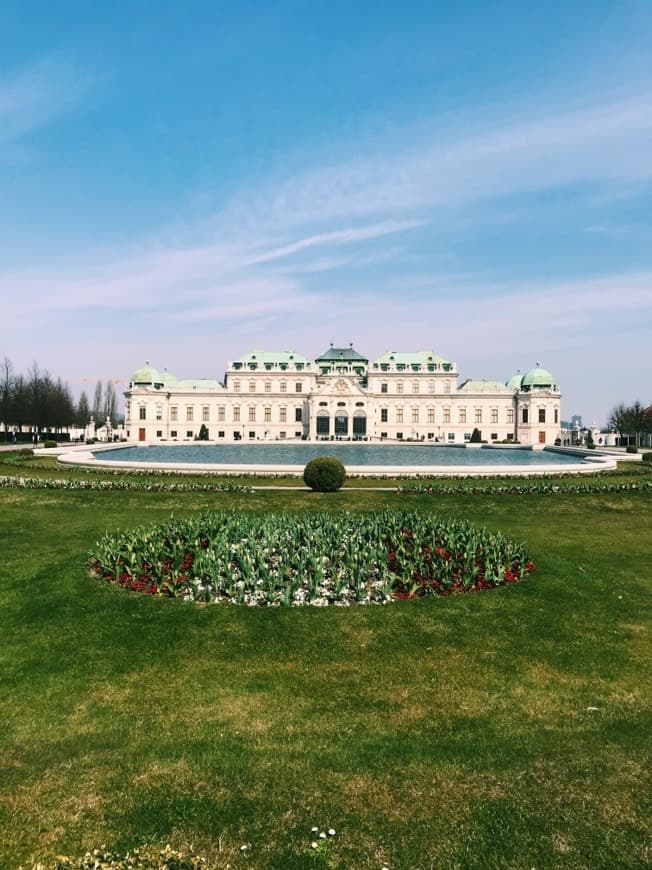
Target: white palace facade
(274, 396)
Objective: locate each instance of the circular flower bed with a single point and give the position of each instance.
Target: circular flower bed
(316, 559)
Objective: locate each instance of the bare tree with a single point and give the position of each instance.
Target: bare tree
(83, 410)
(7, 386)
(110, 403)
(98, 403)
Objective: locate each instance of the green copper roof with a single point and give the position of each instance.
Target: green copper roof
(198, 384)
(514, 382)
(263, 357)
(483, 386)
(422, 357)
(339, 354)
(147, 375)
(538, 377)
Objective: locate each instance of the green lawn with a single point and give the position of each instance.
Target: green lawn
(507, 728)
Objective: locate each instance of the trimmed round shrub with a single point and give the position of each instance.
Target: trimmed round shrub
(324, 474)
(50, 443)
(631, 448)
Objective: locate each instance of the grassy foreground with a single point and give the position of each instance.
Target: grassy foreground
(507, 728)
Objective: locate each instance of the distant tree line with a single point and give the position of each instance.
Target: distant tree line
(632, 423)
(37, 400)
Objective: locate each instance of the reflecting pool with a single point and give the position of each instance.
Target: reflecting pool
(372, 455)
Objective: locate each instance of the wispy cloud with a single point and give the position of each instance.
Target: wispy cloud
(35, 95)
(261, 269)
(606, 143)
(340, 237)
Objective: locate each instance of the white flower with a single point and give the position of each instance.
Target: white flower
(322, 835)
(314, 830)
(313, 845)
(331, 832)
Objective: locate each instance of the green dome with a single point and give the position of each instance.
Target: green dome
(147, 375)
(514, 382)
(539, 379)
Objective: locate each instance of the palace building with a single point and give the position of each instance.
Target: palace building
(341, 395)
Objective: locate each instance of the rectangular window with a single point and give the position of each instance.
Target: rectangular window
(399, 387)
(174, 414)
(236, 386)
(383, 415)
(447, 415)
(159, 412)
(415, 415)
(252, 413)
(221, 414)
(205, 413)
(252, 386)
(431, 386)
(510, 415)
(173, 433)
(189, 413)
(236, 414)
(159, 433)
(283, 415)
(415, 386)
(494, 415)
(431, 415)
(297, 415)
(383, 388)
(284, 387)
(447, 389)
(399, 415)
(268, 414)
(494, 436)
(268, 386)
(478, 415)
(542, 415)
(220, 434)
(525, 415)
(462, 416)
(142, 411)
(556, 415)
(189, 433)
(298, 387)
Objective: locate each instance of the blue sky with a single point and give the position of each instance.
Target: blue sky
(185, 182)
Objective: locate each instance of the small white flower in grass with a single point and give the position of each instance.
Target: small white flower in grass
(314, 830)
(331, 832)
(243, 848)
(313, 845)
(322, 835)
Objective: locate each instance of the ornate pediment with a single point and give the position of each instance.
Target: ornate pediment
(340, 386)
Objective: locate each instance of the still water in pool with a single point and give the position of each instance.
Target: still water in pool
(349, 454)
